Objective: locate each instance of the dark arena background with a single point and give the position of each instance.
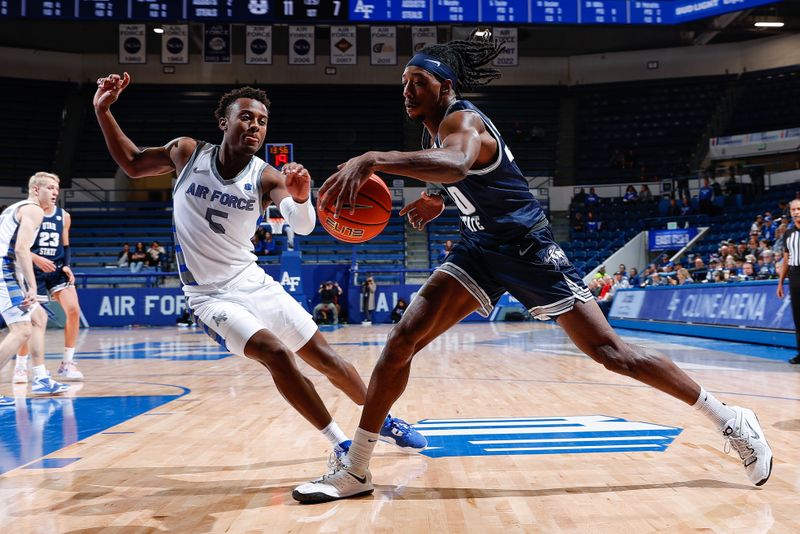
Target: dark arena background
(662, 139)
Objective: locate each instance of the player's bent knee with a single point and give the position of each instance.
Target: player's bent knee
(617, 359)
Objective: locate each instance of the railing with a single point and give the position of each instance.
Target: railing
(148, 279)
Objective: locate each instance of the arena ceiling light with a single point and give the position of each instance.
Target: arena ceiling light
(158, 29)
(768, 24)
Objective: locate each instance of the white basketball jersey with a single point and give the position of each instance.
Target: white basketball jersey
(9, 225)
(215, 218)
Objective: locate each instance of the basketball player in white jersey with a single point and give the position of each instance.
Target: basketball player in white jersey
(220, 193)
(26, 320)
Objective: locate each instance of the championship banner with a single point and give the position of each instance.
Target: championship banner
(175, 44)
(132, 47)
(383, 49)
(301, 45)
(509, 57)
(258, 45)
(421, 37)
(217, 43)
(343, 45)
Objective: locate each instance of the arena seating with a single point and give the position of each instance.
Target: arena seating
(779, 87)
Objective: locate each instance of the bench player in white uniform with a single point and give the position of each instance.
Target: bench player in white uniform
(26, 320)
(220, 193)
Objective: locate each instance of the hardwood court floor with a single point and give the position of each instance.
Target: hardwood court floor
(168, 434)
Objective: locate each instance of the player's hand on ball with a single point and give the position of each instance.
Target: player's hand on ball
(344, 184)
(109, 89)
(423, 210)
(298, 181)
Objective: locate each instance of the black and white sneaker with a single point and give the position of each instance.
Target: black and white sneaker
(338, 484)
(743, 434)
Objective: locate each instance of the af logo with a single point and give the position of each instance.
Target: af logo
(221, 318)
(672, 307)
(364, 9)
(291, 281)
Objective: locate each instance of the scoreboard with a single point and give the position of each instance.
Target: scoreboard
(379, 11)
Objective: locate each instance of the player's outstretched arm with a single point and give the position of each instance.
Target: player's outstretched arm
(290, 190)
(134, 161)
(461, 146)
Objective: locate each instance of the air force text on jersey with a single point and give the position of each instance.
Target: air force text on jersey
(223, 199)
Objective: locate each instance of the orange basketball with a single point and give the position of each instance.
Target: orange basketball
(373, 209)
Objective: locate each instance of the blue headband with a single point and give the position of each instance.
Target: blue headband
(435, 67)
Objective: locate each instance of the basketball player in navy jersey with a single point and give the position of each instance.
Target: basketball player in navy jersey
(51, 265)
(218, 198)
(506, 245)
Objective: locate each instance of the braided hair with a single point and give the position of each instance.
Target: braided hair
(242, 92)
(467, 58)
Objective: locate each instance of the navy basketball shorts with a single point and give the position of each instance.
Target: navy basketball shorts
(48, 284)
(533, 269)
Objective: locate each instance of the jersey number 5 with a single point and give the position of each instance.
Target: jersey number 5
(215, 226)
(462, 203)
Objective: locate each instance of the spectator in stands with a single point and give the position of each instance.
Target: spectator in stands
(682, 277)
(706, 197)
(579, 199)
(769, 227)
(578, 223)
(592, 224)
(138, 257)
(686, 207)
(666, 265)
(747, 272)
(592, 199)
(448, 246)
(156, 255)
(674, 210)
(682, 182)
(645, 195)
(612, 285)
(655, 279)
(716, 187)
(368, 289)
(601, 272)
(766, 268)
(337, 293)
(729, 268)
(698, 269)
(124, 256)
(622, 269)
(399, 310)
(630, 194)
(742, 250)
(757, 224)
(325, 311)
(779, 245)
(634, 280)
(718, 277)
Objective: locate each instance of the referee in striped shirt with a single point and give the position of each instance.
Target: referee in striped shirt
(791, 267)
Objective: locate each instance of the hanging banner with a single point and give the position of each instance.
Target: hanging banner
(175, 43)
(343, 45)
(301, 45)
(217, 43)
(509, 57)
(258, 45)
(132, 48)
(383, 50)
(422, 37)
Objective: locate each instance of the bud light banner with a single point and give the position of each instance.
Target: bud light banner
(217, 43)
(132, 47)
(748, 304)
(258, 45)
(670, 239)
(175, 44)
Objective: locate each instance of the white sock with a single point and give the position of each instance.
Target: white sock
(718, 412)
(69, 353)
(334, 433)
(361, 451)
(39, 371)
(22, 361)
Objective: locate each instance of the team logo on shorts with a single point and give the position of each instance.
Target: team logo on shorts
(553, 254)
(221, 318)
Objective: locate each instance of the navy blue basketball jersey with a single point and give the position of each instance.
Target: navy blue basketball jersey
(495, 202)
(48, 241)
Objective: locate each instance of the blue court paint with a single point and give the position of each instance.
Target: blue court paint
(51, 463)
(181, 350)
(37, 427)
(537, 435)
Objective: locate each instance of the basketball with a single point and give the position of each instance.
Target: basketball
(373, 209)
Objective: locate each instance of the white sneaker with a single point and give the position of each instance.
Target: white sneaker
(20, 375)
(48, 386)
(338, 484)
(743, 433)
(69, 372)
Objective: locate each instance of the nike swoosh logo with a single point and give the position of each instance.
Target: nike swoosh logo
(363, 480)
(525, 251)
(437, 63)
(372, 440)
(753, 432)
(197, 169)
